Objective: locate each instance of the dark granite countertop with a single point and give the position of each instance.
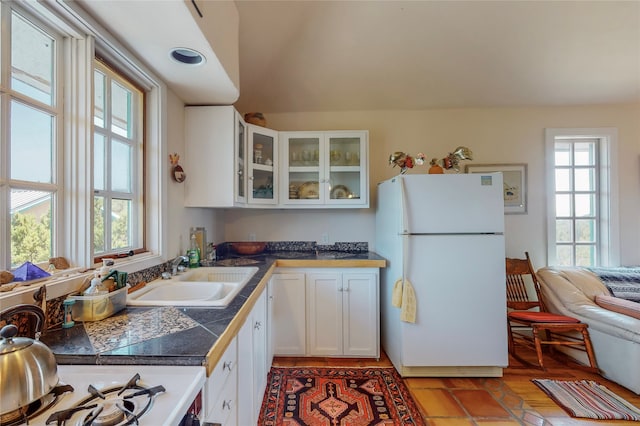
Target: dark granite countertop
(180, 335)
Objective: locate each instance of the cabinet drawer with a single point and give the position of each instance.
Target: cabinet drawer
(222, 378)
(223, 409)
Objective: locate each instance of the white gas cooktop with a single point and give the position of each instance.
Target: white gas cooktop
(181, 386)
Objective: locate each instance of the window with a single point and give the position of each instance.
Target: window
(117, 149)
(582, 224)
(30, 182)
(77, 136)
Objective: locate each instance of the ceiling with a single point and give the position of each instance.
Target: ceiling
(368, 55)
(377, 55)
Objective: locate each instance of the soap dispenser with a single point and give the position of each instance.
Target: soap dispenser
(96, 288)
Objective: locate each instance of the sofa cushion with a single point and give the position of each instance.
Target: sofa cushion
(621, 306)
(584, 284)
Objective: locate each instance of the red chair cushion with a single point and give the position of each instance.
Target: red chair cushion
(540, 317)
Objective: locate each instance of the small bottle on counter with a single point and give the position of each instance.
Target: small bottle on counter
(194, 253)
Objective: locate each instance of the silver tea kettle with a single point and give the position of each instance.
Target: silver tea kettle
(27, 366)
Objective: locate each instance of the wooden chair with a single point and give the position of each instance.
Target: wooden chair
(529, 322)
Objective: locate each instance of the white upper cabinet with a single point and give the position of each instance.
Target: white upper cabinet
(215, 157)
(229, 163)
(324, 169)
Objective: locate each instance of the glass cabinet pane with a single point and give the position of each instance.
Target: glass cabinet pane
(344, 167)
(262, 178)
(304, 168)
(240, 161)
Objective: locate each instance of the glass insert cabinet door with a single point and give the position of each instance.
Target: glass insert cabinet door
(240, 158)
(262, 153)
(345, 172)
(324, 168)
(305, 158)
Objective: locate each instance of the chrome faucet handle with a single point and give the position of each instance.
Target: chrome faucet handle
(176, 264)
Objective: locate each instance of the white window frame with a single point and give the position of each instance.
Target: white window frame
(135, 196)
(85, 39)
(608, 246)
(56, 186)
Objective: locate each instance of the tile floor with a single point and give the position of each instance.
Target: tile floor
(471, 402)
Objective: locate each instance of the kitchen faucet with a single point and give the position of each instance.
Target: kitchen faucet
(176, 262)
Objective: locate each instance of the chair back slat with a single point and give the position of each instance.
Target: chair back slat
(516, 288)
(519, 272)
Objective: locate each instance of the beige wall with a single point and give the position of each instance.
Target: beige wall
(495, 135)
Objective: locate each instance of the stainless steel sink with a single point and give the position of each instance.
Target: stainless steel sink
(209, 286)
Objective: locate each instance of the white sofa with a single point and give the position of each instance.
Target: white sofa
(615, 336)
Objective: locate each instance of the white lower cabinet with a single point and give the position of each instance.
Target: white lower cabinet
(343, 314)
(220, 392)
(253, 363)
(303, 312)
(288, 314)
(326, 312)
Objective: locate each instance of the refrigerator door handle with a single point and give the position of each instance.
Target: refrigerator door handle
(405, 220)
(403, 207)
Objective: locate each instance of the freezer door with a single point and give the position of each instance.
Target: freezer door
(459, 283)
(460, 203)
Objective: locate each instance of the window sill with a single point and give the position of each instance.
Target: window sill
(69, 281)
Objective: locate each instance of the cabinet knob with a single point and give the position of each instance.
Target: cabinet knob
(240, 172)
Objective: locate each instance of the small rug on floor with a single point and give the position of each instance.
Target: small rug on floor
(314, 396)
(588, 399)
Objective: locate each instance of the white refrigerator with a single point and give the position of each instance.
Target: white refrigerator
(444, 234)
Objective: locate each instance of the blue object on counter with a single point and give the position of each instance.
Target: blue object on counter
(28, 272)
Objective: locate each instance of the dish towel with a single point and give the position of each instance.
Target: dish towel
(396, 296)
(404, 297)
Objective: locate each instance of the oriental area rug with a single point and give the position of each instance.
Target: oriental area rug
(313, 396)
(588, 399)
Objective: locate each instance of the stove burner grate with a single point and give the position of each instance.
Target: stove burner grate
(110, 406)
(34, 409)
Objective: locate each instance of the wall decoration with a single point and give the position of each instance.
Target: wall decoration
(177, 173)
(405, 161)
(515, 184)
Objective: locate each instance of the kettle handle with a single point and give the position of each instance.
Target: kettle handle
(25, 308)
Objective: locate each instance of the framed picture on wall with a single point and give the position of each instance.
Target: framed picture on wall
(514, 178)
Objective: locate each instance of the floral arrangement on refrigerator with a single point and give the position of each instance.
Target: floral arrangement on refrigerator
(406, 161)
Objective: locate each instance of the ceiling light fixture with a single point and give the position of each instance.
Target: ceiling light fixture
(187, 56)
